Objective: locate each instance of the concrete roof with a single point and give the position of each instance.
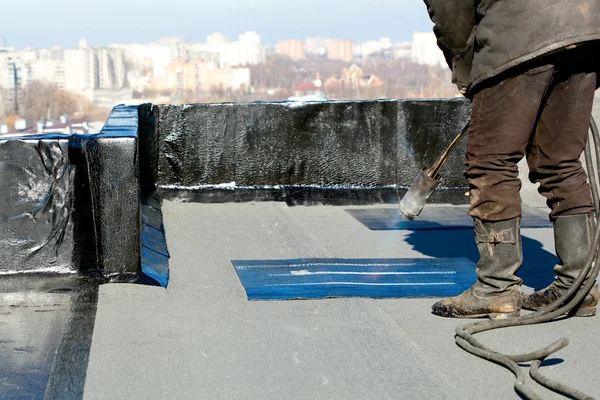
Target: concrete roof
(202, 338)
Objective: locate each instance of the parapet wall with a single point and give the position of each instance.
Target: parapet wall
(331, 151)
(74, 202)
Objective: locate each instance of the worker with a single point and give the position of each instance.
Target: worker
(530, 70)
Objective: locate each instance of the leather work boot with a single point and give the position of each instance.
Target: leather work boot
(496, 294)
(573, 235)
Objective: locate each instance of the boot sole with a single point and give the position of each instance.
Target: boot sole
(587, 312)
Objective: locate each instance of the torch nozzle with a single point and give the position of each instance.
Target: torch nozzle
(426, 182)
(415, 198)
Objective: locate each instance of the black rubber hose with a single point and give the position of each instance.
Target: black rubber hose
(592, 175)
(566, 303)
(534, 371)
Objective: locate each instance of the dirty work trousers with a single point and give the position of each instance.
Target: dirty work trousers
(542, 113)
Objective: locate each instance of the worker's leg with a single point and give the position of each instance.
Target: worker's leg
(554, 162)
(560, 139)
(502, 121)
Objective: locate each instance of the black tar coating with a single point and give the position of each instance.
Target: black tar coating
(298, 148)
(46, 334)
(36, 204)
(72, 201)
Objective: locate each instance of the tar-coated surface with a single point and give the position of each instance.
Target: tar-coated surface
(72, 201)
(373, 143)
(36, 197)
(202, 338)
(46, 325)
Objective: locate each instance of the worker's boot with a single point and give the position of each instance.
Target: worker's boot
(496, 294)
(573, 235)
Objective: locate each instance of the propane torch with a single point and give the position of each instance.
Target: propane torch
(426, 182)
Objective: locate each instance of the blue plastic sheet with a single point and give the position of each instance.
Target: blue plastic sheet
(372, 278)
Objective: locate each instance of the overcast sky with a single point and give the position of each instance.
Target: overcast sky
(44, 23)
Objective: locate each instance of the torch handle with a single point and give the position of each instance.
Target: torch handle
(434, 172)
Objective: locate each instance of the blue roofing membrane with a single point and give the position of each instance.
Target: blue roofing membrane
(155, 255)
(374, 278)
(436, 218)
(122, 122)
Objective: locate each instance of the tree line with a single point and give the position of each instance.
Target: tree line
(44, 101)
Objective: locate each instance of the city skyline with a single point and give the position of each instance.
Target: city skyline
(146, 21)
(43, 84)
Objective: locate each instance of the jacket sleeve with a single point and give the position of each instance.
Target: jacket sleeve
(454, 22)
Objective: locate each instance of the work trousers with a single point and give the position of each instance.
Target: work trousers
(542, 113)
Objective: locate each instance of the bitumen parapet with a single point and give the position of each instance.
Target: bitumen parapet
(202, 338)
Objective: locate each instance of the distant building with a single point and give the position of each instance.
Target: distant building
(135, 55)
(216, 38)
(86, 70)
(316, 47)
(198, 76)
(373, 48)
(111, 69)
(293, 49)
(46, 65)
(246, 51)
(47, 70)
(211, 78)
(180, 75)
(313, 89)
(353, 78)
(81, 71)
(157, 58)
(250, 38)
(402, 51)
(338, 49)
(426, 51)
(13, 76)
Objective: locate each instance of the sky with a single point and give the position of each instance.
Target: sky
(46, 23)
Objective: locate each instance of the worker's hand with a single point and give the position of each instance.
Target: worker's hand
(465, 92)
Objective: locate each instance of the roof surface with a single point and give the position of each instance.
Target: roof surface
(202, 338)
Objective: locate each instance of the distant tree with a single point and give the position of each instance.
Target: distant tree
(278, 72)
(37, 101)
(43, 100)
(69, 103)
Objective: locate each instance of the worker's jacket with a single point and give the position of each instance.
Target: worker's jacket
(484, 38)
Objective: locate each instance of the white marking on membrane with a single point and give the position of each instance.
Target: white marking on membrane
(364, 284)
(304, 272)
(327, 264)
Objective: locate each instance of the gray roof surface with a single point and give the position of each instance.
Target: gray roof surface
(202, 338)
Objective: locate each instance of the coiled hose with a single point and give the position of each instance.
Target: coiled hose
(465, 334)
